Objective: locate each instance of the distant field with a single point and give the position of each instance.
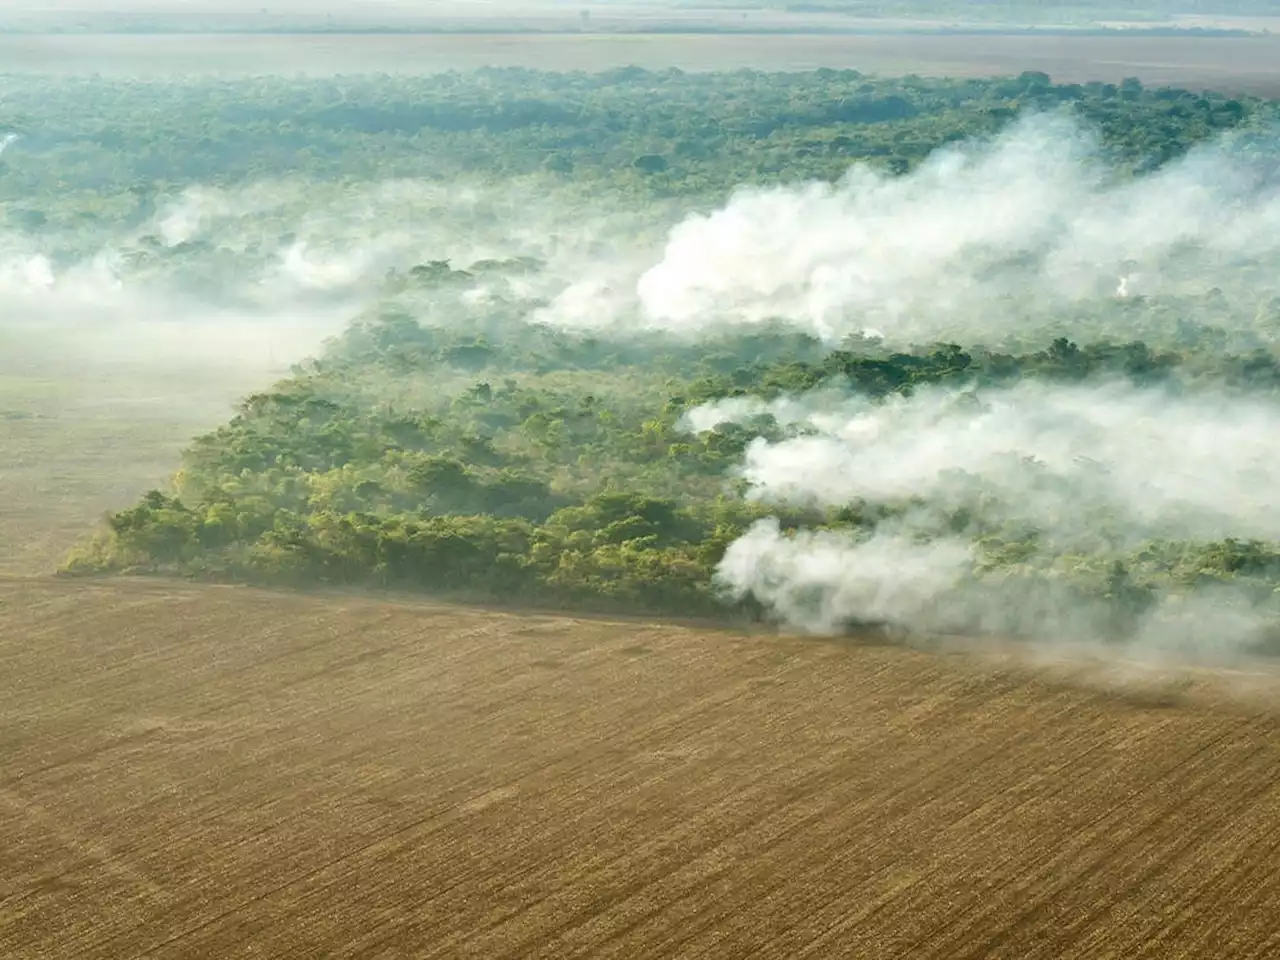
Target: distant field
(1241, 64)
(220, 772)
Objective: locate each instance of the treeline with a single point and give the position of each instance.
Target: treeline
(97, 149)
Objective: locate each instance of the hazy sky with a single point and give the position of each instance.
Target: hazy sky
(353, 8)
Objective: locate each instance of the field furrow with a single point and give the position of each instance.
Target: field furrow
(204, 771)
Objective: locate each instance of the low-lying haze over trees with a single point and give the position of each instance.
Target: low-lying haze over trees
(944, 355)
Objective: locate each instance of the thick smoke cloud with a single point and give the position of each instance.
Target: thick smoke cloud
(975, 245)
(965, 248)
(1087, 468)
(1168, 464)
(824, 582)
(820, 581)
(967, 244)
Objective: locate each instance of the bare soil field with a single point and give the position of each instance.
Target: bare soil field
(220, 772)
(1230, 64)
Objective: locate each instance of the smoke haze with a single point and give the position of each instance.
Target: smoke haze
(966, 246)
(1059, 457)
(269, 270)
(1076, 469)
(967, 249)
(979, 244)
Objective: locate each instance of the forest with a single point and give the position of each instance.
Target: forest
(980, 355)
(82, 150)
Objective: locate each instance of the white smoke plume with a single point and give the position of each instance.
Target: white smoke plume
(980, 238)
(1169, 464)
(1087, 468)
(819, 581)
(965, 245)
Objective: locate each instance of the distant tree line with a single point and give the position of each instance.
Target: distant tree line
(97, 150)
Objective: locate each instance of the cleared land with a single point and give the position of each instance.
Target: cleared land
(225, 772)
(81, 437)
(1233, 64)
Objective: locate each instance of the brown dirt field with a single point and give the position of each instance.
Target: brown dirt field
(220, 772)
(1231, 64)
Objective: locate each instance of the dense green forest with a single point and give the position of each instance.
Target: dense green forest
(93, 152)
(528, 465)
(455, 440)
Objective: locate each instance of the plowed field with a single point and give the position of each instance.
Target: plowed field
(219, 772)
